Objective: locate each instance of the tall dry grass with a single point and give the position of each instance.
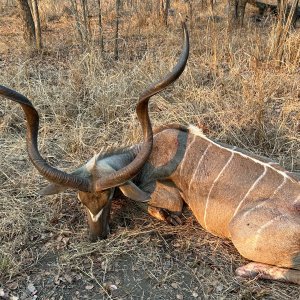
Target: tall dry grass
(232, 87)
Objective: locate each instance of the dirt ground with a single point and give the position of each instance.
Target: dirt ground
(142, 259)
(234, 90)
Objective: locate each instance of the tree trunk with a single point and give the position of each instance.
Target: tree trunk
(116, 48)
(232, 12)
(295, 14)
(236, 12)
(190, 14)
(101, 42)
(157, 9)
(77, 19)
(241, 11)
(28, 24)
(166, 12)
(37, 22)
(87, 31)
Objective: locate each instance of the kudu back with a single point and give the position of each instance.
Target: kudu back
(232, 193)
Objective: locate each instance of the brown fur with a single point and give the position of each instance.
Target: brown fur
(245, 198)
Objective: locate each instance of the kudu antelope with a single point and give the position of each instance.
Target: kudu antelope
(232, 193)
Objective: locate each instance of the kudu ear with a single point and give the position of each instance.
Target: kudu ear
(52, 189)
(130, 190)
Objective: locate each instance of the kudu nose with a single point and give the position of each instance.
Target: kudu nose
(96, 236)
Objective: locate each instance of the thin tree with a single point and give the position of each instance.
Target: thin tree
(190, 14)
(166, 11)
(85, 12)
(101, 41)
(157, 9)
(37, 23)
(77, 19)
(295, 12)
(116, 48)
(28, 23)
(236, 12)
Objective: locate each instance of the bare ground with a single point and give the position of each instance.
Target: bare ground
(142, 259)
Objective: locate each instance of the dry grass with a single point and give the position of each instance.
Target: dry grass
(232, 87)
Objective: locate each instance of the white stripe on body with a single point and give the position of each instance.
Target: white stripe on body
(184, 157)
(263, 202)
(297, 200)
(263, 227)
(194, 130)
(198, 165)
(251, 188)
(279, 187)
(216, 179)
(253, 208)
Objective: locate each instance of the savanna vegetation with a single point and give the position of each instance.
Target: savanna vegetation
(241, 86)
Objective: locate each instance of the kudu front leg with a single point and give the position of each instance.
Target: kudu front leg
(164, 215)
(161, 214)
(161, 201)
(165, 203)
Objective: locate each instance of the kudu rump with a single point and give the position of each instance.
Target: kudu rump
(232, 193)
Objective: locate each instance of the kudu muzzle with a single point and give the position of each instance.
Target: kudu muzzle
(99, 224)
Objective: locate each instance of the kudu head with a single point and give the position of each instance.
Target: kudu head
(97, 179)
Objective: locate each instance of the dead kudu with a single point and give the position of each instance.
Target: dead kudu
(232, 193)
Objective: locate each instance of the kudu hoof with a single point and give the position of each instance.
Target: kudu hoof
(171, 218)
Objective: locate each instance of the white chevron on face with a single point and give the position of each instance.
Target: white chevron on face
(95, 218)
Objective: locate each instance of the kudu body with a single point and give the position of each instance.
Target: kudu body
(232, 193)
